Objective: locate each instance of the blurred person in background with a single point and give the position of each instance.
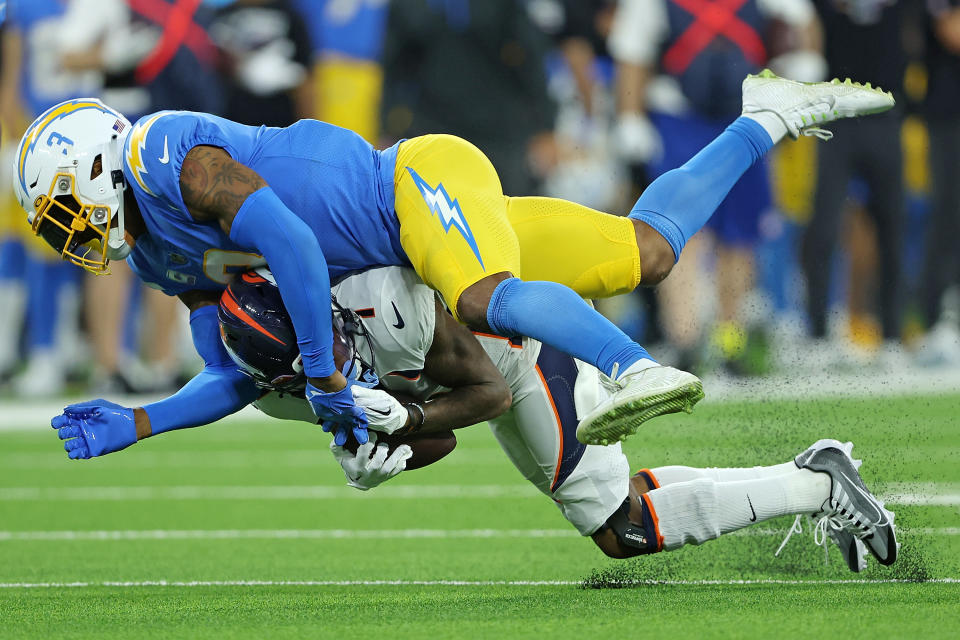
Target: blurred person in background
(942, 107)
(680, 64)
(346, 37)
(147, 63)
(474, 69)
(101, 36)
(265, 56)
(579, 81)
(34, 287)
(862, 39)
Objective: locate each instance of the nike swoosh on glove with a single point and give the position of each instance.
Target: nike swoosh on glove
(95, 428)
(384, 412)
(339, 413)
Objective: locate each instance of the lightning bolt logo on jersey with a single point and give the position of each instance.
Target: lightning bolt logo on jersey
(447, 210)
(136, 147)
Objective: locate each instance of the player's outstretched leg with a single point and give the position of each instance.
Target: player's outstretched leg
(678, 203)
(556, 315)
(456, 233)
(694, 511)
(851, 547)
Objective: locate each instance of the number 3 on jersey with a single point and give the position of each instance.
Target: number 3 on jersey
(220, 265)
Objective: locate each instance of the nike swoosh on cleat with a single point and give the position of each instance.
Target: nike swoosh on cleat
(165, 158)
(870, 499)
(753, 514)
(400, 324)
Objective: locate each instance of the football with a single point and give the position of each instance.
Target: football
(427, 447)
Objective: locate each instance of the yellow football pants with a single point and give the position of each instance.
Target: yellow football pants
(457, 227)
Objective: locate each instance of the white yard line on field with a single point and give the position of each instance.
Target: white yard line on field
(352, 534)
(941, 496)
(437, 583)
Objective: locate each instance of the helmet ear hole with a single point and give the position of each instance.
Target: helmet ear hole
(97, 167)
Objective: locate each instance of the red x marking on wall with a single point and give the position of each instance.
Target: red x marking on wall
(179, 29)
(713, 18)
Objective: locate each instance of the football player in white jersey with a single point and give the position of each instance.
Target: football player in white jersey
(418, 351)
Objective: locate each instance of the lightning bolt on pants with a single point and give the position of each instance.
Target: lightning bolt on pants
(455, 230)
(592, 252)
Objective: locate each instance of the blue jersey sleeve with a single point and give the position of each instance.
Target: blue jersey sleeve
(217, 391)
(158, 143)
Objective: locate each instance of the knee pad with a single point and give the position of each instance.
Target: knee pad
(642, 537)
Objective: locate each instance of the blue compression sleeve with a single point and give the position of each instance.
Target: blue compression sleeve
(679, 203)
(217, 391)
(291, 250)
(556, 315)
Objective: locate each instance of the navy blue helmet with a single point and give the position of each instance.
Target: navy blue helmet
(259, 336)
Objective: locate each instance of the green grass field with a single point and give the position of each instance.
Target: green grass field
(245, 529)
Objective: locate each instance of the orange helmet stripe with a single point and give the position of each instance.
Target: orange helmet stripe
(230, 303)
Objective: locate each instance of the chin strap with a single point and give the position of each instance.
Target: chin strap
(117, 247)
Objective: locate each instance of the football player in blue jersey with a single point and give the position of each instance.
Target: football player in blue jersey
(189, 199)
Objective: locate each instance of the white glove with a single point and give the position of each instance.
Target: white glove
(384, 412)
(364, 471)
(636, 139)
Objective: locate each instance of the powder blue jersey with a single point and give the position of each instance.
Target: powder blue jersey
(329, 177)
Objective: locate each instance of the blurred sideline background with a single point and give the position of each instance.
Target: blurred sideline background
(832, 267)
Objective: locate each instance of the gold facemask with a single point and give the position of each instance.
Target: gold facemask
(77, 231)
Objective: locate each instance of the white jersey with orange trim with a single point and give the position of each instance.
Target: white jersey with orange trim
(399, 313)
(550, 389)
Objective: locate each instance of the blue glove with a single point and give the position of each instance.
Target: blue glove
(339, 413)
(95, 428)
(367, 378)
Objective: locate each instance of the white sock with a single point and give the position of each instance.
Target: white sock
(698, 510)
(771, 123)
(746, 502)
(675, 473)
(637, 367)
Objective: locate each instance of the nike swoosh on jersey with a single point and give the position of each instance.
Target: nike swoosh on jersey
(165, 158)
(399, 324)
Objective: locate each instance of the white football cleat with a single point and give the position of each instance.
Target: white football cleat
(851, 508)
(637, 397)
(803, 106)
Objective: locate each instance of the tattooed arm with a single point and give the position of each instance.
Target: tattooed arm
(217, 188)
(214, 186)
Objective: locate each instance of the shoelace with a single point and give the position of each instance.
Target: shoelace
(610, 383)
(817, 132)
(819, 534)
(794, 528)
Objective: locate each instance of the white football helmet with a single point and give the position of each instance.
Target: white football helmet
(68, 176)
